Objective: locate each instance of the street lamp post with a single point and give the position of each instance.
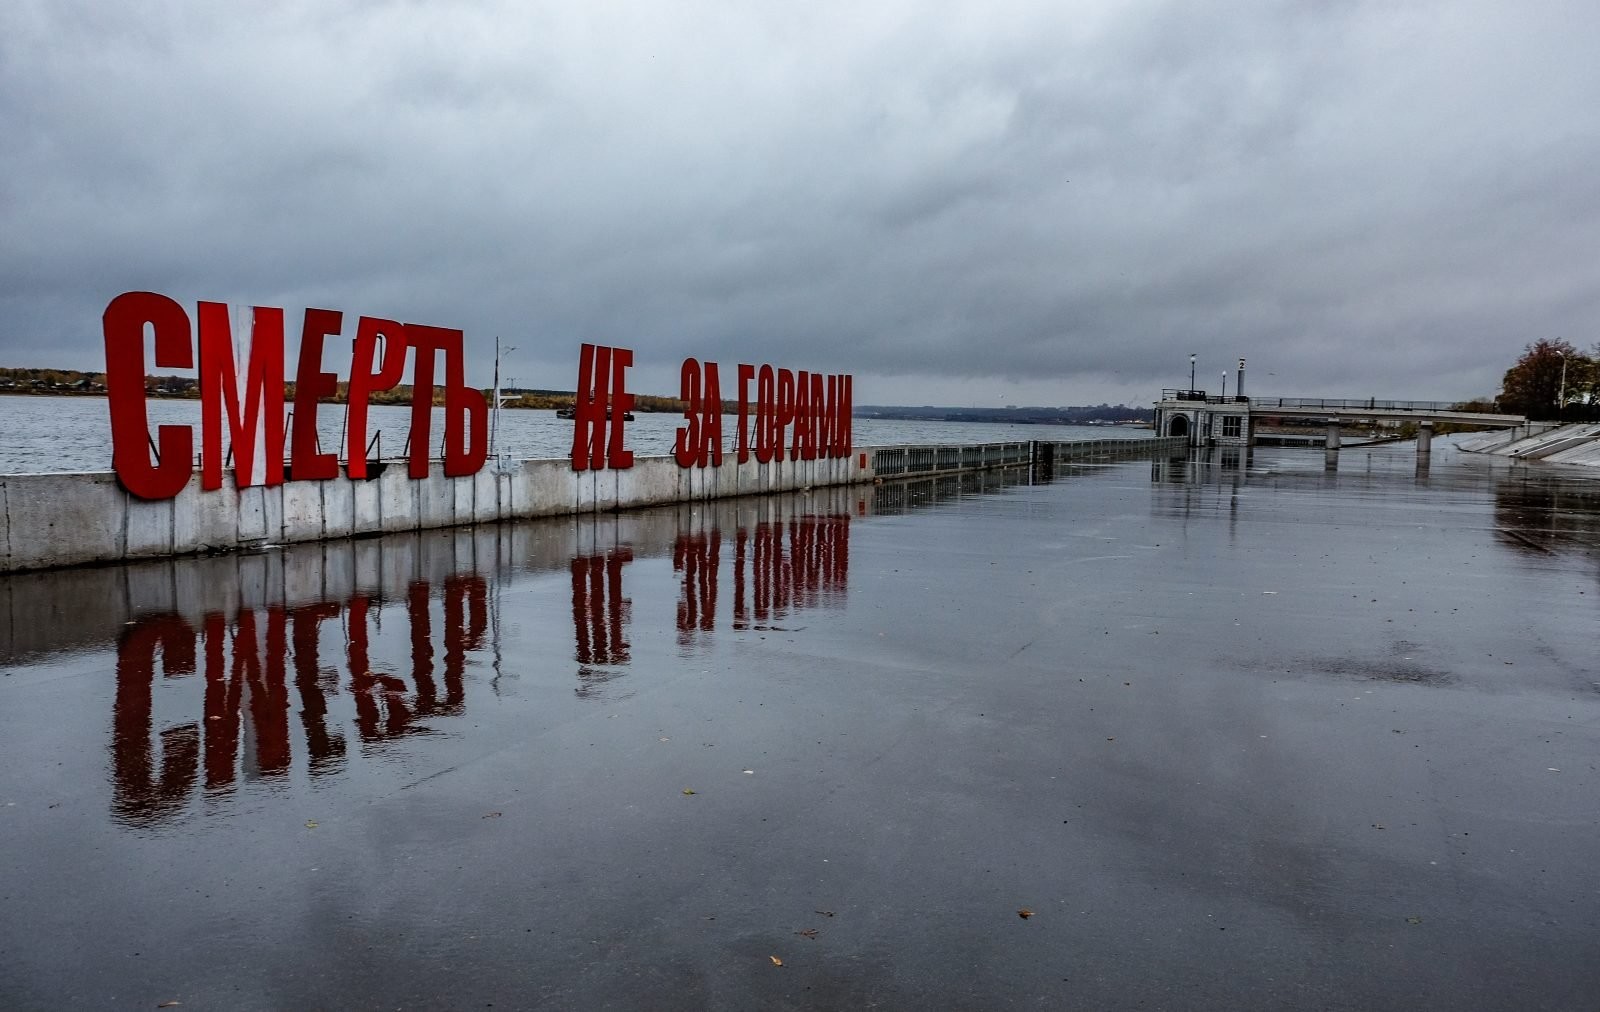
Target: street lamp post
(494, 417)
(1561, 397)
(1224, 386)
(1191, 374)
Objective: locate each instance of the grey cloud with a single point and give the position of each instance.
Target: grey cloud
(1025, 203)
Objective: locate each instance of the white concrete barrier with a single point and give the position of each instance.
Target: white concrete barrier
(53, 520)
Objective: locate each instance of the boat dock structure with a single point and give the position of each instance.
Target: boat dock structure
(1210, 420)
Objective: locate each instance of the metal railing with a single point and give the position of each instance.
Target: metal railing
(918, 461)
(1078, 449)
(890, 461)
(1321, 403)
(1369, 404)
(1201, 397)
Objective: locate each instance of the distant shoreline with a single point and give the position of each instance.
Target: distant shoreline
(1124, 416)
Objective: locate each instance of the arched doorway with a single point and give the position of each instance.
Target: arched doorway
(1179, 426)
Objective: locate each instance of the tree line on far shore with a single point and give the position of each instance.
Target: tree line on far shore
(71, 382)
(1551, 380)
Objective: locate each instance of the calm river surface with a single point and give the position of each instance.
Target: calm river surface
(74, 433)
(1225, 733)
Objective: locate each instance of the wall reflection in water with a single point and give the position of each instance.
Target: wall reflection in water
(600, 616)
(1540, 510)
(245, 662)
(251, 669)
(245, 672)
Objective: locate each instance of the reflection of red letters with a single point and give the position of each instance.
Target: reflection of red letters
(326, 748)
(773, 573)
(599, 611)
(124, 323)
(139, 794)
(247, 686)
(697, 557)
(221, 706)
(269, 694)
(466, 620)
(375, 692)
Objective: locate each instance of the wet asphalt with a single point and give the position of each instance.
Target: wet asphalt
(1195, 733)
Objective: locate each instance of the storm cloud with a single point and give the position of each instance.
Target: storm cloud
(959, 203)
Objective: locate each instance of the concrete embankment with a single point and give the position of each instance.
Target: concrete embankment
(1546, 441)
(52, 520)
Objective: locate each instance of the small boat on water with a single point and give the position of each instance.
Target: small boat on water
(569, 413)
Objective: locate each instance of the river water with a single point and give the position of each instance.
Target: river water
(74, 433)
(1234, 732)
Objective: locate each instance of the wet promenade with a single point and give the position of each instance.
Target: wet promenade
(1234, 734)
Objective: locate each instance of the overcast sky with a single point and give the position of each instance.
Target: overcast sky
(980, 203)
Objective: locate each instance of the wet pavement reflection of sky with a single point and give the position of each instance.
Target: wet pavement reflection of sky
(1239, 731)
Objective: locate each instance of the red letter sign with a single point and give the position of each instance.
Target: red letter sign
(311, 384)
(219, 385)
(364, 381)
(124, 322)
(602, 393)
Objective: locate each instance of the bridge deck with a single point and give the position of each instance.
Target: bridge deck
(1342, 410)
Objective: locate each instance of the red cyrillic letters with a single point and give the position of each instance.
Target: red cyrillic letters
(699, 439)
(311, 384)
(124, 323)
(365, 380)
(219, 385)
(602, 394)
(817, 407)
(465, 449)
(804, 415)
(254, 409)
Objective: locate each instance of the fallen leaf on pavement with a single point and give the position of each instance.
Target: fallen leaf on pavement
(775, 960)
(492, 815)
(311, 824)
(825, 913)
(1024, 913)
(687, 791)
(807, 933)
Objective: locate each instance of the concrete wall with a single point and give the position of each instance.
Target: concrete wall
(1549, 441)
(53, 520)
(46, 612)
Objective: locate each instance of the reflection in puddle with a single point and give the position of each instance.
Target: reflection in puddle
(244, 664)
(275, 670)
(599, 615)
(1542, 509)
(322, 655)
